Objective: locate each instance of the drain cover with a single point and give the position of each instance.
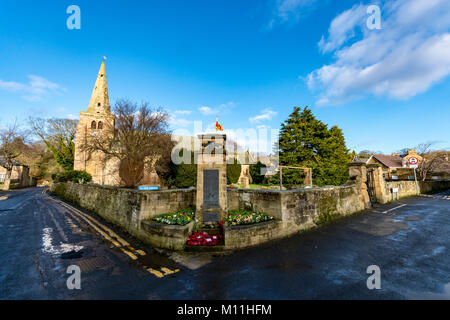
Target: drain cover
(94, 263)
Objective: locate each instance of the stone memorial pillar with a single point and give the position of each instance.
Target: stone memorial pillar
(211, 179)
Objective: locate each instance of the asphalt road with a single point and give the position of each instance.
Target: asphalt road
(41, 237)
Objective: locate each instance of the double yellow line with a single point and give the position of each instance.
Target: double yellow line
(105, 232)
(114, 238)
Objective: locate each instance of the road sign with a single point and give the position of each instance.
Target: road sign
(413, 161)
(148, 188)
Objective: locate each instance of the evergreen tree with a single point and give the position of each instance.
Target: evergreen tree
(183, 175)
(255, 172)
(307, 142)
(233, 171)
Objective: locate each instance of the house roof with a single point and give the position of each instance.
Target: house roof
(360, 160)
(3, 162)
(389, 161)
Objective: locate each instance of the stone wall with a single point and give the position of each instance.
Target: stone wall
(265, 201)
(166, 236)
(154, 203)
(301, 208)
(298, 206)
(237, 237)
(293, 210)
(304, 207)
(408, 188)
(127, 208)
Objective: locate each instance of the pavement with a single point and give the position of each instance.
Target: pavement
(42, 236)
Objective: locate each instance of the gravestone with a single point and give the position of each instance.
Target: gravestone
(211, 179)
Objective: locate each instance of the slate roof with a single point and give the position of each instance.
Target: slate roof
(360, 160)
(389, 161)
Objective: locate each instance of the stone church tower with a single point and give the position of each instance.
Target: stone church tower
(94, 121)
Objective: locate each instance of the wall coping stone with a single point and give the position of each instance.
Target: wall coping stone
(293, 190)
(136, 190)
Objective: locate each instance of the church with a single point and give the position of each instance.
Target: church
(97, 120)
(93, 122)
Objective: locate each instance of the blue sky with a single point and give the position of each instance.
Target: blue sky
(248, 62)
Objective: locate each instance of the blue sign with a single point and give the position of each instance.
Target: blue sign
(148, 188)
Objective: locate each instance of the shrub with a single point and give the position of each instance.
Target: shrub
(180, 217)
(183, 175)
(239, 217)
(72, 175)
(255, 172)
(233, 172)
(80, 176)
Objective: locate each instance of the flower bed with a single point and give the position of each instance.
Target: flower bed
(180, 217)
(236, 218)
(204, 239)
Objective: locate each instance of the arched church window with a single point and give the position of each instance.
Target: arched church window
(93, 125)
(100, 125)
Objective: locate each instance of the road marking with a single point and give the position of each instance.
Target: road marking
(141, 252)
(392, 209)
(108, 230)
(102, 233)
(123, 245)
(165, 272)
(48, 247)
(155, 272)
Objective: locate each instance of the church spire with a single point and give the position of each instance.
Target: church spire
(99, 103)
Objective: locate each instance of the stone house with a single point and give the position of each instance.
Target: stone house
(20, 176)
(395, 166)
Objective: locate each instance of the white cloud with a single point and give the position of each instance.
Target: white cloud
(34, 90)
(183, 112)
(266, 114)
(176, 121)
(289, 10)
(206, 110)
(179, 122)
(343, 27)
(409, 55)
(11, 86)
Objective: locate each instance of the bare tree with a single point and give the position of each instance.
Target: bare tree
(139, 139)
(432, 160)
(58, 135)
(11, 147)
